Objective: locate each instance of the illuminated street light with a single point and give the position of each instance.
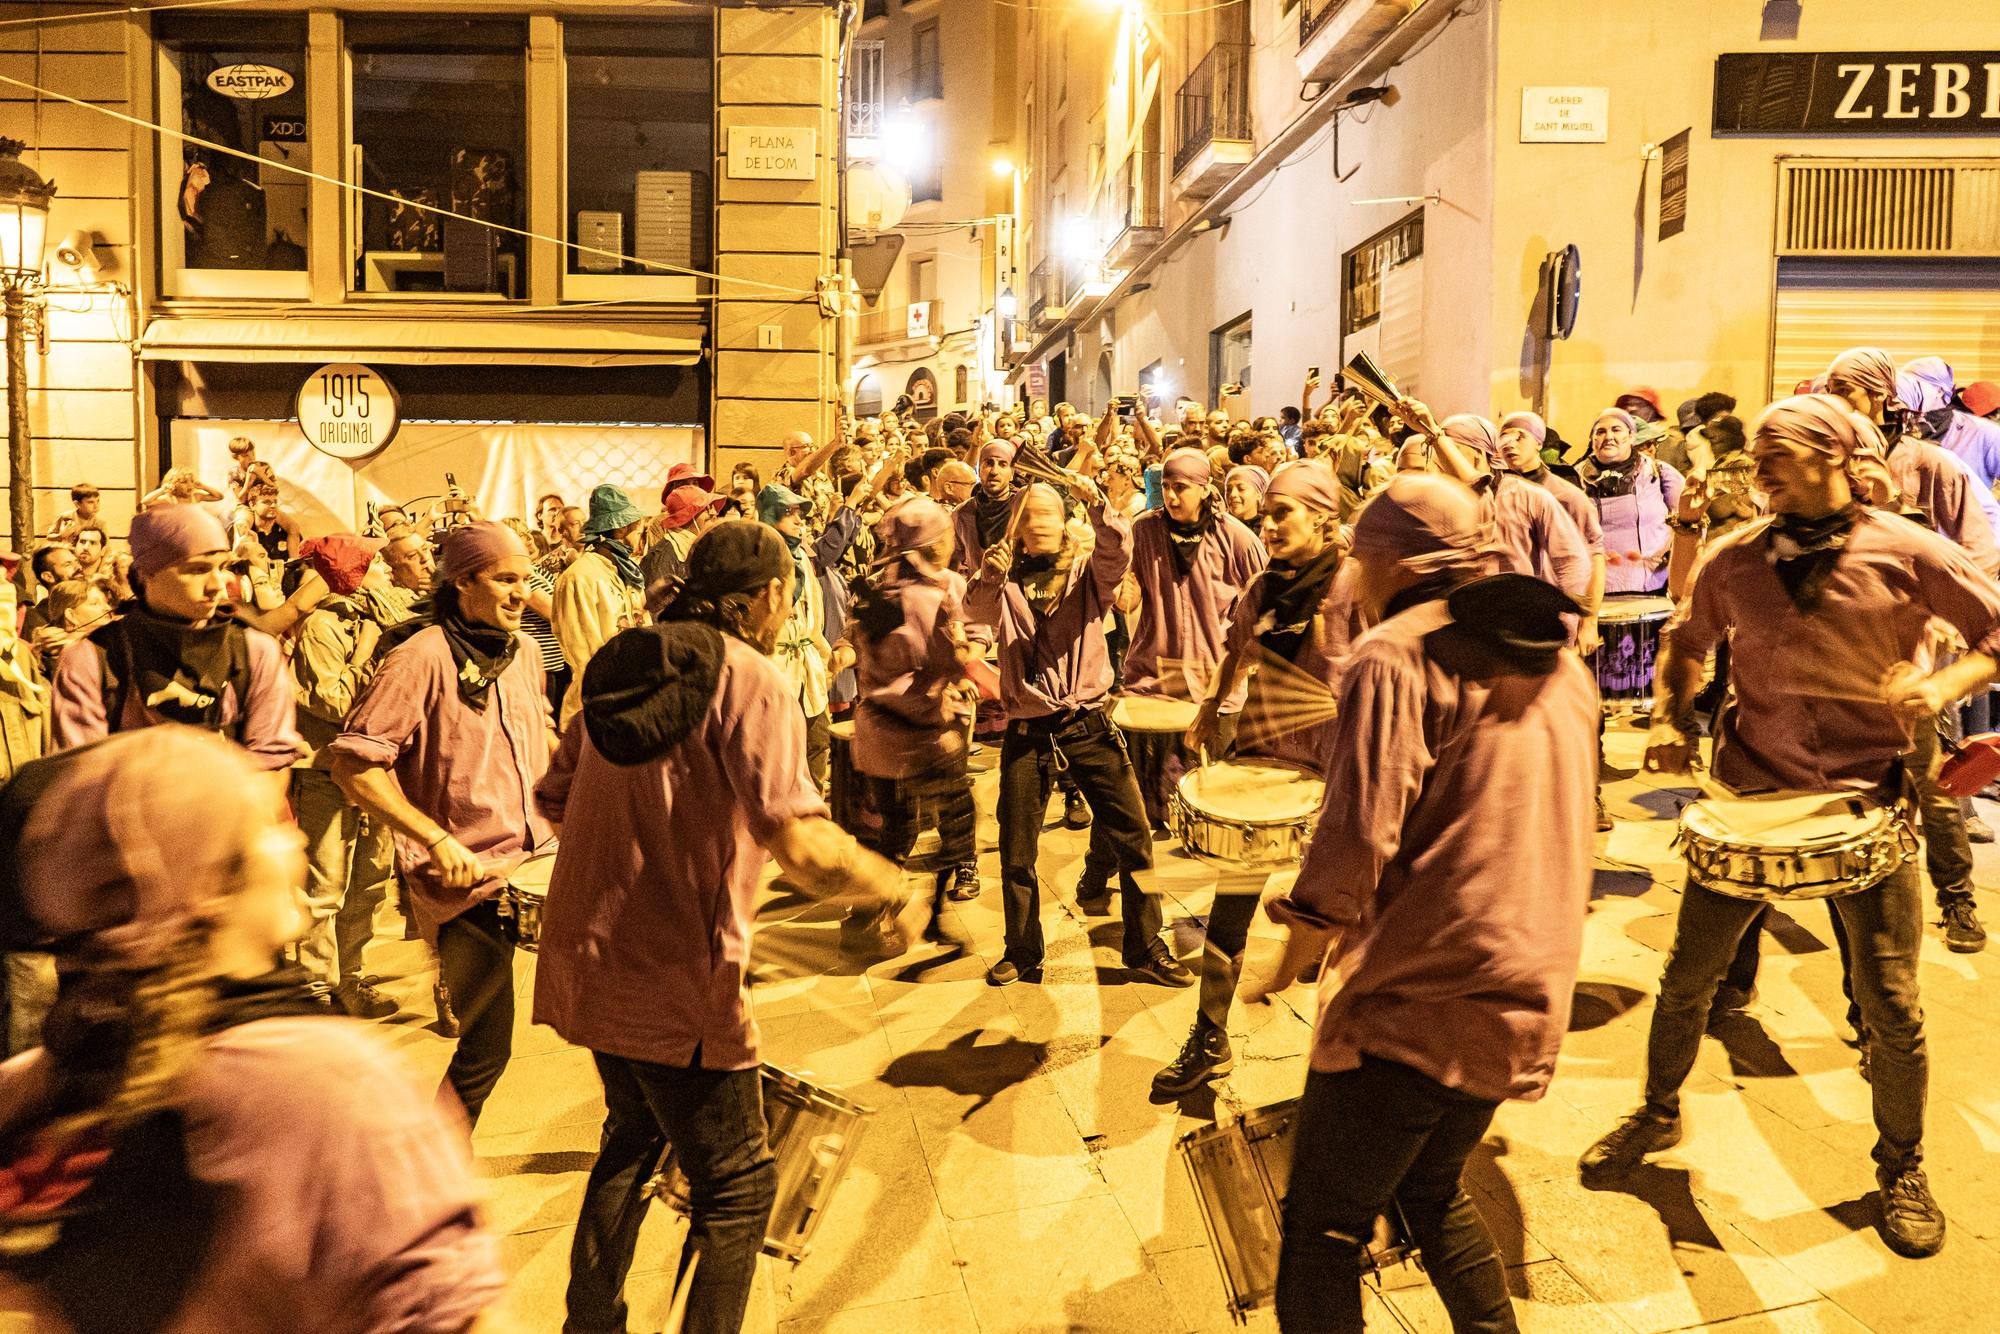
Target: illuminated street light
(24, 230)
(1079, 239)
(1003, 167)
(1005, 304)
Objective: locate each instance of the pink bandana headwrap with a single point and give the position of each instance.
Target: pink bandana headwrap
(1426, 523)
(1820, 422)
(1868, 368)
(1309, 482)
(470, 549)
(1250, 473)
(1476, 433)
(1531, 422)
(166, 535)
(996, 451)
(1186, 465)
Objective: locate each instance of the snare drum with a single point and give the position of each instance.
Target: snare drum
(1630, 629)
(813, 1133)
(1247, 812)
(1136, 713)
(520, 899)
(1793, 845)
(1239, 1170)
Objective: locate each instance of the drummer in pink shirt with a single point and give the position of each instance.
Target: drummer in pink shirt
(1464, 719)
(1190, 560)
(445, 747)
(687, 765)
(1296, 620)
(1826, 603)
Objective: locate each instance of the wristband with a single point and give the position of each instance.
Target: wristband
(432, 845)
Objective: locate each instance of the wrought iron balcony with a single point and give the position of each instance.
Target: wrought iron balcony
(1212, 116)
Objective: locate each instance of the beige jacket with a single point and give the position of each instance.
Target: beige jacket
(591, 604)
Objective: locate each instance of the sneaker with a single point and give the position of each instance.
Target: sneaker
(1093, 894)
(1962, 932)
(1978, 830)
(1205, 1055)
(1076, 811)
(1162, 967)
(362, 1000)
(1603, 816)
(447, 1020)
(1620, 1150)
(1912, 1223)
(964, 885)
(1007, 972)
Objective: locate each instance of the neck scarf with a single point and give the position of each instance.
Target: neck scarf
(621, 559)
(1044, 579)
(1292, 597)
(801, 567)
(482, 652)
(990, 516)
(1602, 480)
(165, 651)
(1184, 539)
(1803, 551)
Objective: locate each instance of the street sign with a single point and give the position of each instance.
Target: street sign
(773, 153)
(1565, 115)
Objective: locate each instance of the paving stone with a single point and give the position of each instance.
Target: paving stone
(1066, 1266)
(1547, 1300)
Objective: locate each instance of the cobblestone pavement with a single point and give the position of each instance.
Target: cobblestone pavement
(1015, 1175)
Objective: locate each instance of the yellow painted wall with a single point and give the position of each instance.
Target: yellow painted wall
(1692, 312)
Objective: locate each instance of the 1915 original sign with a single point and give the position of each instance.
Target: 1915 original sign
(348, 411)
(1858, 92)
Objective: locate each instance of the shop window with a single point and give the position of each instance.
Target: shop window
(1362, 268)
(1229, 356)
(926, 68)
(641, 149)
(961, 385)
(440, 117)
(233, 226)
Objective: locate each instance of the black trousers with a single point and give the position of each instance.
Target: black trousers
(476, 961)
(1087, 748)
(715, 1121)
(1379, 1133)
(940, 795)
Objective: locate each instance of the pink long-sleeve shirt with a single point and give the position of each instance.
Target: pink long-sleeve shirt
(1577, 505)
(1060, 662)
(903, 723)
(1461, 936)
(645, 947)
(269, 716)
(1809, 713)
(1537, 537)
(1281, 729)
(470, 770)
(1942, 485)
(1183, 619)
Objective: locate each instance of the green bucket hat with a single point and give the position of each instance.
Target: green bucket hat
(610, 510)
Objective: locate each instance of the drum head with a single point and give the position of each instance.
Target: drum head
(1616, 609)
(532, 875)
(1782, 819)
(842, 730)
(1253, 792)
(1136, 713)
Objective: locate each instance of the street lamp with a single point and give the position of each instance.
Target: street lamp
(24, 230)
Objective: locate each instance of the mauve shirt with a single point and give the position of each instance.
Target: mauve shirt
(902, 725)
(1536, 537)
(1808, 713)
(1278, 731)
(1582, 512)
(471, 771)
(645, 949)
(1058, 663)
(346, 1197)
(269, 716)
(1461, 935)
(1635, 524)
(1942, 485)
(1183, 619)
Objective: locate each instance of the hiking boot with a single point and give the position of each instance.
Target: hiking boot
(1962, 932)
(1162, 967)
(1620, 1150)
(1912, 1223)
(447, 1019)
(1205, 1055)
(1977, 830)
(1076, 811)
(362, 1000)
(964, 885)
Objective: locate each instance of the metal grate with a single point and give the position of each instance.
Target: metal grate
(1876, 207)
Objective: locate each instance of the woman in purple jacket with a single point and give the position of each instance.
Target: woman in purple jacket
(1634, 494)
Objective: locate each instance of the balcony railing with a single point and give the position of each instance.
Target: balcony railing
(897, 324)
(866, 95)
(1214, 102)
(1313, 15)
(1046, 292)
(1138, 183)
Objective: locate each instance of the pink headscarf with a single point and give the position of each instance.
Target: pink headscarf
(911, 523)
(1186, 465)
(1250, 473)
(1476, 433)
(1428, 524)
(165, 535)
(1925, 384)
(140, 838)
(1868, 368)
(470, 549)
(1531, 422)
(1618, 414)
(1820, 422)
(1309, 482)
(995, 451)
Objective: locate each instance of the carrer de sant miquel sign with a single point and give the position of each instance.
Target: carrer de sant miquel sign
(1858, 92)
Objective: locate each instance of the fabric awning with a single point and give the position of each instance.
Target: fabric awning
(406, 341)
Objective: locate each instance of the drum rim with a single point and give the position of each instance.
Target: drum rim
(1243, 821)
(788, 1079)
